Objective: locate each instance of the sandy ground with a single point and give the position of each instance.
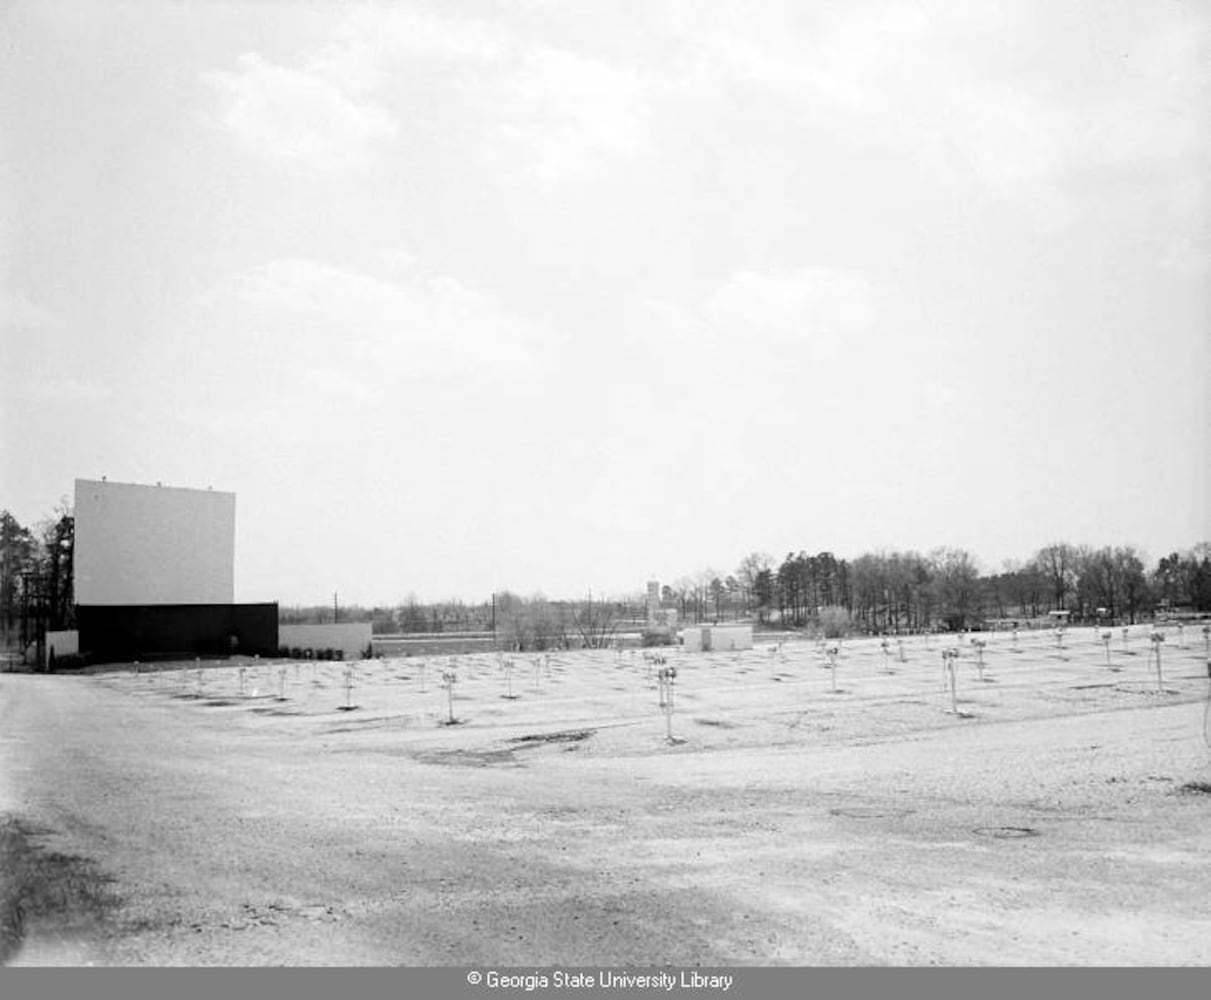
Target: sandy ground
(1060, 818)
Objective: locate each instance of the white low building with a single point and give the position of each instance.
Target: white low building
(351, 638)
(717, 638)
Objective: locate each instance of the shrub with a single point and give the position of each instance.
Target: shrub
(834, 620)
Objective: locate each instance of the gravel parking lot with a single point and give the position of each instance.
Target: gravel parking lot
(264, 813)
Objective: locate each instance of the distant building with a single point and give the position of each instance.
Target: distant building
(717, 638)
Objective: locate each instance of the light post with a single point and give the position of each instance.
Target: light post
(449, 679)
(1157, 638)
(950, 657)
(666, 676)
(979, 645)
(834, 651)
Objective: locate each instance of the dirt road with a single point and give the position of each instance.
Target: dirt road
(149, 823)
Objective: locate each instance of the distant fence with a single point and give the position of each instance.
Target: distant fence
(454, 644)
(433, 644)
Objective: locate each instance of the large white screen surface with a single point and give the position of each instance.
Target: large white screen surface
(153, 544)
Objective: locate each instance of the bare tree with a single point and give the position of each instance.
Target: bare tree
(956, 587)
(751, 566)
(718, 590)
(524, 625)
(1057, 564)
(595, 622)
(683, 587)
(58, 536)
(18, 549)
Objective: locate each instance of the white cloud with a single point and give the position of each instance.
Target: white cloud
(307, 315)
(804, 306)
(977, 94)
(544, 112)
(370, 46)
(314, 356)
(1158, 113)
(969, 91)
(341, 384)
(563, 115)
(19, 312)
(67, 390)
(547, 112)
(1187, 256)
(296, 116)
(770, 329)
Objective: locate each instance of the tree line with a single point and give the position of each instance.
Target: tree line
(36, 573)
(907, 591)
(876, 592)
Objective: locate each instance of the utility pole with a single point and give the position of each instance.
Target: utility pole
(336, 612)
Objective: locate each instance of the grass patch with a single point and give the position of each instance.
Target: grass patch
(568, 736)
(52, 894)
(470, 758)
(1006, 832)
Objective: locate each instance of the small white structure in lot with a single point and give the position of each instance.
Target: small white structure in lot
(60, 644)
(717, 638)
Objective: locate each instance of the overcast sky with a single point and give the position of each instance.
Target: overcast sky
(458, 297)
